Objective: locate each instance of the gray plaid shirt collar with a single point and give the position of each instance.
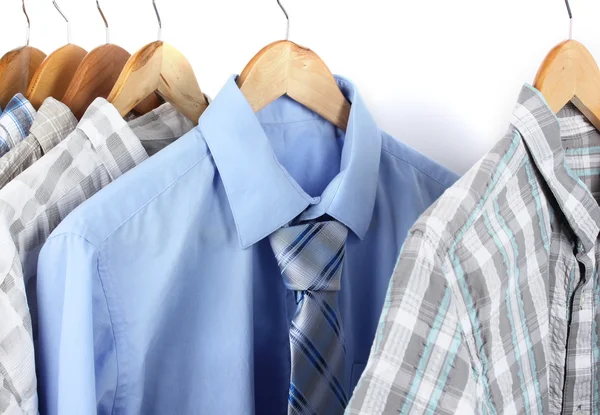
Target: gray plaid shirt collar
(541, 130)
(100, 123)
(53, 122)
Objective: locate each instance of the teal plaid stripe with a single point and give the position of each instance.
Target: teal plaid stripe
(494, 305)
(311, 258)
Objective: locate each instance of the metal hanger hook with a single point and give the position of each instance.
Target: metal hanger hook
(159, 20)
(66, 20)
(105, 21)
(287, 17)
(28, 33)
(570, 19)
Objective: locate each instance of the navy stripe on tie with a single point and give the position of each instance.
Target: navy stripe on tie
(328, 313)
(333, 271)
(298, 400)
(296, 241)
(313, 355)
(297, 247)
(295, 403)
(322, 282)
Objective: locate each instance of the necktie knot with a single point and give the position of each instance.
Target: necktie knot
(311, 256)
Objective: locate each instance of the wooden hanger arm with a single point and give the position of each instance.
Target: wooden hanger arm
(310, 83)
(570, 74)
(160, 68)
(17, 68)
(556, 78)
(139, 79)
(95, 77)
(286, 68)
(178, 84)
(268, 67)
(55, 74)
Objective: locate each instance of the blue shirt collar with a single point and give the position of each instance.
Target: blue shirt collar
(262, 194)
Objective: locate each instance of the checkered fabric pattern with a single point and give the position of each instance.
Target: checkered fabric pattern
(101, 149)
(311, 258)
(15, 123)
(493, 307)
(52, 124)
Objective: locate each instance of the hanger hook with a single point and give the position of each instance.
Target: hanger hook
(66, 20)
(570, 19)
(105, 21)
(287, 17)
(28, 33)
(159, 20)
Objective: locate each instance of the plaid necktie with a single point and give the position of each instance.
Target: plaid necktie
(311, 258)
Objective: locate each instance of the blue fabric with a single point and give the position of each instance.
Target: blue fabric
(15, 122)
(161, 294)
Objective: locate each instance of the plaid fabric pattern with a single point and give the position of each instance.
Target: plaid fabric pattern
(52, 124)
(15, 123)
(493, 307)
(311, 258)
(101, 149)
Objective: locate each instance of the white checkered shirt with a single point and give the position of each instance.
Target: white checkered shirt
(101, 149)
(52, 124)
(15, 123)
(494, 306)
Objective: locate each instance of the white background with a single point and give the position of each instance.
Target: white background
(442, 76)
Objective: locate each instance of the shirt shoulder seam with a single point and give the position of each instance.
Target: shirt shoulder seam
(413, 166)
(73, 233)
(142, 207)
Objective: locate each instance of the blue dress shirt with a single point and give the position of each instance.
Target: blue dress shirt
(161, 294)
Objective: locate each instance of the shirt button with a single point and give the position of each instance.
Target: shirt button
(581, 304)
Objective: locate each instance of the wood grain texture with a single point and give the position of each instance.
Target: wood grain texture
(96, 76)
(160, 68)
(570, 74)
(285, 68)
(54, 75)
(17, 68)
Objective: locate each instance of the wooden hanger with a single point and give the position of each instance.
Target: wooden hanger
(285, 68)
(55, 73)
(17, 68)
(570, 74)
(97, 74)
(159, 67)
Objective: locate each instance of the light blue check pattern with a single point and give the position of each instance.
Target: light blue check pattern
(311, 258)
(15, 123)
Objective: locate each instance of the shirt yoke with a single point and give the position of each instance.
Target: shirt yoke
(447, 221)
(95, 221)
(422, 164)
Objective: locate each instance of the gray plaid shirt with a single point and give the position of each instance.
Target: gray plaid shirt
(101, 149)
(494, 306)
(52, 124)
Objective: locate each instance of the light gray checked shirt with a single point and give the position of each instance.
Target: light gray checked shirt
(52, 124)
(101, 149)
(494, 306)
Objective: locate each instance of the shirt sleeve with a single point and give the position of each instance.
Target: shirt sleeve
(419, 362)
(76, 351)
